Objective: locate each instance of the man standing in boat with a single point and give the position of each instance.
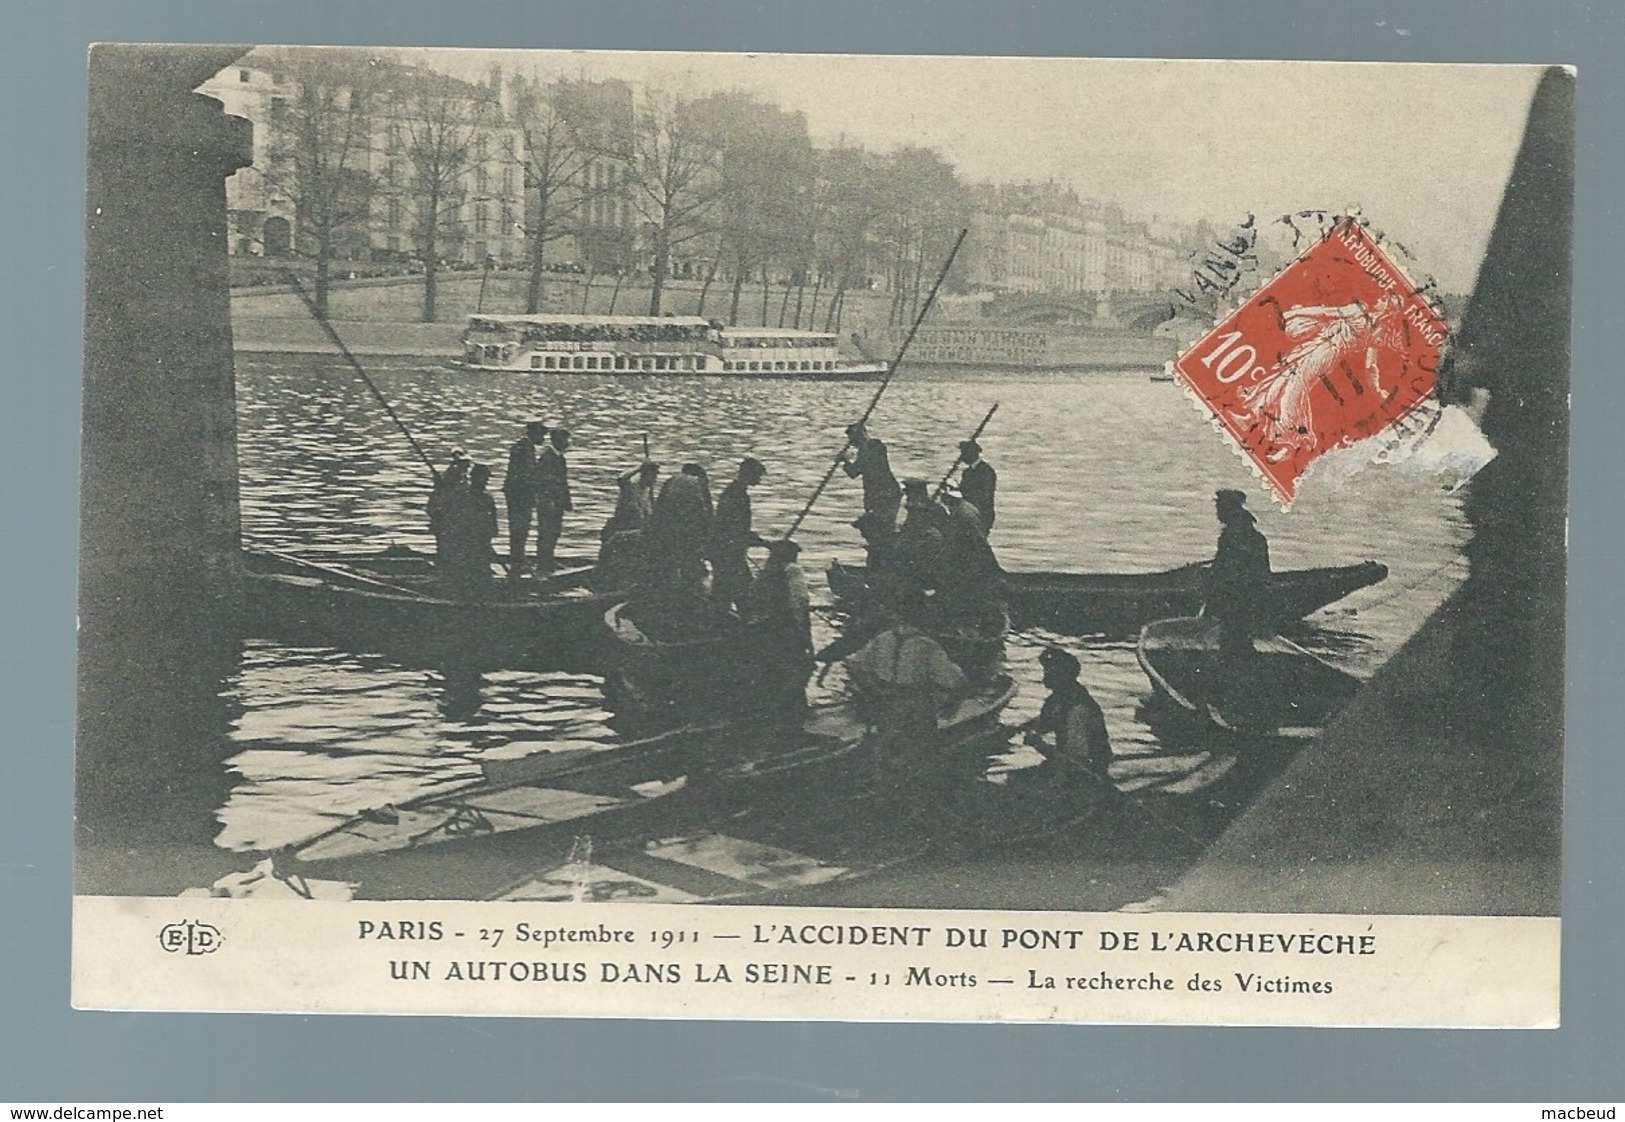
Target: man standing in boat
(552, 498)
(969, 576)
(677, 533)
(780, 596)
(1238, 578)
(445, 500)
(732, 537)
(473, 527)
(870, 461)
(1072, 715)
(519, 493)
(978, 483)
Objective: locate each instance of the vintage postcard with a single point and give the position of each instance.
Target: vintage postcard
(792, 536)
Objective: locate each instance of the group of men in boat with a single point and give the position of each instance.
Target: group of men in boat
(941, 547)
(934, 568)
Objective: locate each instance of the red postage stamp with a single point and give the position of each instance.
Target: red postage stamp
(1335, 349)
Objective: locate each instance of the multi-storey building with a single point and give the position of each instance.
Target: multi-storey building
(1031, 240)
(478, 163)
(260, 209)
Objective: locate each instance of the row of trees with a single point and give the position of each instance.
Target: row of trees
(725, 182)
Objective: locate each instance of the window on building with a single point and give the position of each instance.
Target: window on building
(482, 218)
(507, 179)
(482, 180)
(480, 149)
(507, 218)
(244, 76)
(279, 108)
(535, 362)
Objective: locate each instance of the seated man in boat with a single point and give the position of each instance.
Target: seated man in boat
(871, 462)
(904, 679)
(1238, 578)
(1072, 716)
(732, 538)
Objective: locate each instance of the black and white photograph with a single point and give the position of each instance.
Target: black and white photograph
(882, 517)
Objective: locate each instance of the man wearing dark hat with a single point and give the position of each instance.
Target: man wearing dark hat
(917, 552)
(552, 498)
(732, 537)
(872, 463)
(978, 483)
(519, 487)
(1238, 578)
(1074, 717)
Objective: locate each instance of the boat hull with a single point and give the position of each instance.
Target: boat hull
(1119, 604)
(394, 606)
(729, 665)
(1280, 690)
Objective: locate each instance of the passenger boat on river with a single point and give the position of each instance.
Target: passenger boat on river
(653, 346)
(1119, 604)
(394, 602)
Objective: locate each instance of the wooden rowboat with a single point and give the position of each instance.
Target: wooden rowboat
(1281, 690)
(684, 656)
(393, 602)
(474, 841)
(1119, 604)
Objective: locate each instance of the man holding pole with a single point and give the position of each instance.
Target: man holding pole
(882, 496)
(978, 482)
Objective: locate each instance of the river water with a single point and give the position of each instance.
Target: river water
(1097, 472)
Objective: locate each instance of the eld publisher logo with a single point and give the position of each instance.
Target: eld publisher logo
(191, 937)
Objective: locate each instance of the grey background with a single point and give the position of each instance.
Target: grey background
(50, 1054)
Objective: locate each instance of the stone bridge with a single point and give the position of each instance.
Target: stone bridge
(1139, 310)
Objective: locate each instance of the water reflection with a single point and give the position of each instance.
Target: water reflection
(1097, 472)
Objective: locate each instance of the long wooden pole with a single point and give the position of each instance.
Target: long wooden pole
(925, 310)
(955, 465)
(333, 336)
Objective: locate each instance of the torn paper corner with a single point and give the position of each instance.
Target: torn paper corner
(1450, 450)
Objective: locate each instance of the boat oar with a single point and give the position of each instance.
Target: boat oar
(333, 337)
(937, 494)
(337, 571)
(925, 310)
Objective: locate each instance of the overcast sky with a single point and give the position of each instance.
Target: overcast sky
(1422, 151)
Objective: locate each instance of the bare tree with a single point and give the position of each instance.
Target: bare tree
(319, 150)
(567, 125)
(440, 119)
(674, 162)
